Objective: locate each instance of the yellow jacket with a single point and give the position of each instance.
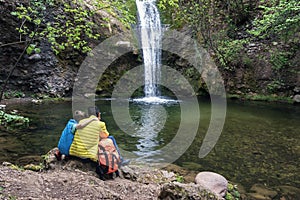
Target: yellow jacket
(85, 143)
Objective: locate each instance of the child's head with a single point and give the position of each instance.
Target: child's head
(79, 115)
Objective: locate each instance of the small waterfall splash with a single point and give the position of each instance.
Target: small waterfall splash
(150, 38)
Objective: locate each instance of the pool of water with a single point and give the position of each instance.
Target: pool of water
(260, 142)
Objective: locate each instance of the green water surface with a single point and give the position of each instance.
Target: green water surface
(259, 142)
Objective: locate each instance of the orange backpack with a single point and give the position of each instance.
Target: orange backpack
(108, 156)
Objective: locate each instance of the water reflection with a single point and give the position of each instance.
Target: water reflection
(152, 121)
(161, 137)
(144, 122)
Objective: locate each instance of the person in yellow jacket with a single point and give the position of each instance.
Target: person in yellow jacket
(85, 143)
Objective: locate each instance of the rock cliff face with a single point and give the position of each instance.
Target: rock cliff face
(266, 73)
(42, 74)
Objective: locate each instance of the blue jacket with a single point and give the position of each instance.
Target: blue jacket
(67, 137)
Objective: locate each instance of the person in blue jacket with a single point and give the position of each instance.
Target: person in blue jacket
(67, 135)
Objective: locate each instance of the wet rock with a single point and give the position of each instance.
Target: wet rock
(297, 90)
(188, 175)
(7, 164)
(2, 107)
(29, 160)
(175, 190)
(213, 182)
(35, 57)
(297, 98)
(128, 173)
(289, 192)
(260, 191)
(146, 175)
(258, 196)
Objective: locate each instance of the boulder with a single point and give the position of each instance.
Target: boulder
(297, 98)
(214, 182)
(176, 190)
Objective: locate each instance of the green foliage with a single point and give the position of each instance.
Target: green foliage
(167, 4)
(257, 97)
(279, 60)
(64, 31)
(213, 24)
(275, 85)
(32, 48)
(269, 98)
(12, 119)
(229, 51)
(124, 11)
(232, 192)
(13, 94)
(179, 178)
(279, 19)
(34, 167)
(72, 27)
(170, 12)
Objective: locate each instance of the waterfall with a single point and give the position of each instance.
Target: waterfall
(150, 38)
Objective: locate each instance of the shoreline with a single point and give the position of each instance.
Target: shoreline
(239, 98)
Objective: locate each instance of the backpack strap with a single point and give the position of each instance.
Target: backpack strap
(114, 158)
(103, 153)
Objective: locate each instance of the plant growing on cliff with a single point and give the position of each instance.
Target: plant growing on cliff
(67, 24)
(278, 19)
(213, 23)
(279, 59)
(170, 12)
(71, 28)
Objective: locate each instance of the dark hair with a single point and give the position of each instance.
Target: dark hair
(93, 111)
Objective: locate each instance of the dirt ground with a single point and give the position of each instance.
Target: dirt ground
(70, 184)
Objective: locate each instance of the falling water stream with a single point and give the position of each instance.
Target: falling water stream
(150, 37)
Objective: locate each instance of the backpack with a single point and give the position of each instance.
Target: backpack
(108, 158)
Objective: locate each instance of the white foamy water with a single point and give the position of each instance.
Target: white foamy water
(150, 38)
(155, 100)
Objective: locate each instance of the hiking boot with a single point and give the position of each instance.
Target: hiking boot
(57, 155)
